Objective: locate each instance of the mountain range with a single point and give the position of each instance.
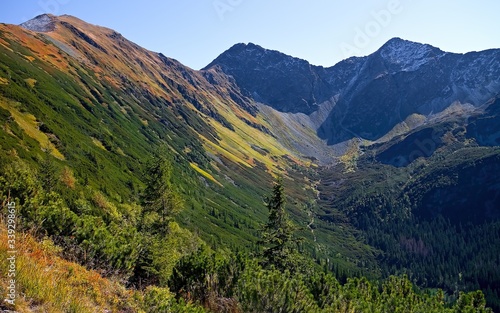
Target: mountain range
(400, 84)
(391, 160)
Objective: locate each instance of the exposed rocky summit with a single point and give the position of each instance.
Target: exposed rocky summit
(41, 23)
(286, 83)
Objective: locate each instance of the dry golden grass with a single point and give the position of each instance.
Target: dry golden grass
(204, 173)
(29, 124)
(98, 144)
(30, 81)
(47, 283)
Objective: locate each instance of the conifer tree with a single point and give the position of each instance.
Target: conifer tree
(161, 201)
(47, 174)
(277, 238)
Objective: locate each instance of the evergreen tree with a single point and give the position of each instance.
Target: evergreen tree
(277, 238)
(48, 171)
(161, 201)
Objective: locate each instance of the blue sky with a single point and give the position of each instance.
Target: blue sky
(320, 31)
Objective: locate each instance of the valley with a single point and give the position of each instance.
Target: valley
(390, 165)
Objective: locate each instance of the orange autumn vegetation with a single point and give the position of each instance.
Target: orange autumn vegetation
(47, 283)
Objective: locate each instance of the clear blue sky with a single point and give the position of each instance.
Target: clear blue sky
(320, 31)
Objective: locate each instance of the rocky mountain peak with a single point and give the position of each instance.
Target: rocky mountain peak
(240, 47)
(287, 83)
(41, 23)
(253, 57)
(408, 55)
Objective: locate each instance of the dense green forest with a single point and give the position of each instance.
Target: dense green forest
(450, 245)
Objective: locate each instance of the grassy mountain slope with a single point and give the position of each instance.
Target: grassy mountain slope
(83, 110)
(102, 105)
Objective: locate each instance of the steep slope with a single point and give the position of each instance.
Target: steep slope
(405, 78)
(106, 103)
(484, 128)
(288, 84)
(296, 96)
(103, 105)
(285, 83)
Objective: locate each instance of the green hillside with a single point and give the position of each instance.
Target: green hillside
(142, 186)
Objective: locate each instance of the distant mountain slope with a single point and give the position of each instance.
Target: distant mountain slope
(374, 93)
(405, 78)
(286, 83)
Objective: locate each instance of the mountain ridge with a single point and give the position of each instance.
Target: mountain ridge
(399, 66)
(369, 148)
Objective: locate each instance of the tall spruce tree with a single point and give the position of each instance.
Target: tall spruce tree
(47, 175)
(277, 236)
(161, 201)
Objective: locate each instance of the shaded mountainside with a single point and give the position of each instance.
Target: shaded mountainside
(286, 83)
(404, 78)
(375, 93)
(390, 161)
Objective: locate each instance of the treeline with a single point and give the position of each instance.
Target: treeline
(141, 245)
(439, 253)
(435, 252)
(435, 220)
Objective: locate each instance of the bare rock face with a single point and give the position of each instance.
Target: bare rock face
(375, 93)
(404, 78)
(41, 23)
(286, 83)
